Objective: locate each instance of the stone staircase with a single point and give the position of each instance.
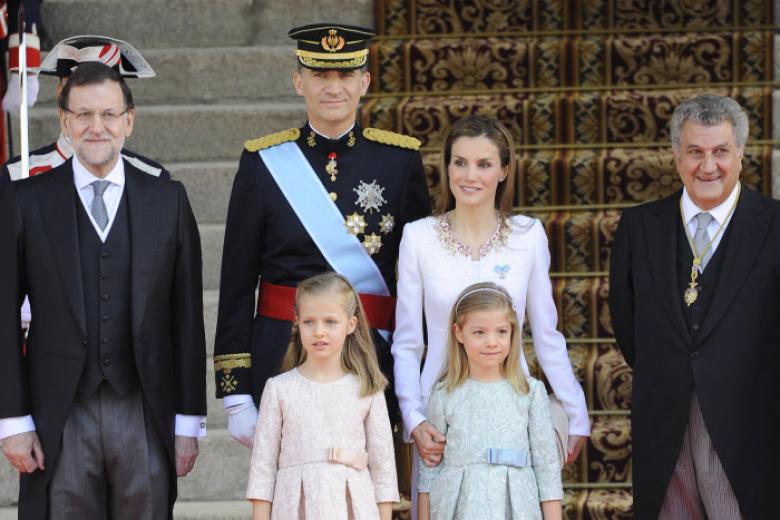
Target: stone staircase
(223, 76)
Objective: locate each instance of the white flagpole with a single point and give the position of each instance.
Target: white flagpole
(23, 118)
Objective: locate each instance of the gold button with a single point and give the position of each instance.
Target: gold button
(333, 196)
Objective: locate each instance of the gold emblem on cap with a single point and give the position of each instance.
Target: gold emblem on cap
(333, 42)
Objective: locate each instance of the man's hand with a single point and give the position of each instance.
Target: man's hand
(430, 443)
(241, 423)
(576, 442)
(186, 453)
(23, 451)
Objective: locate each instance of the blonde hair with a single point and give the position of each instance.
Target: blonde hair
(485, 296)
(359, 353)
(499, 135)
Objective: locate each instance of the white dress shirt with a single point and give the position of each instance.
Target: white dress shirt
(720, 215)
(430, 277)
(186, 425)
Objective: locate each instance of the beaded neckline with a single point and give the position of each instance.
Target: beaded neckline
(455, 246)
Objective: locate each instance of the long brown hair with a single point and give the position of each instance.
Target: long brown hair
(359, 353)
(485, 296)
(481, 126)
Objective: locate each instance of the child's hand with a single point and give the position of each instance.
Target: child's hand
(430, 443)
(576, 442)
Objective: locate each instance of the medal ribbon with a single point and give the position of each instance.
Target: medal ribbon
(691, 293)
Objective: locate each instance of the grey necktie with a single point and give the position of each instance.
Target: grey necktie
(99, 211)
(701, 239)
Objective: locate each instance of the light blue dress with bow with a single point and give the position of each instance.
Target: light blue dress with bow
(481, 418)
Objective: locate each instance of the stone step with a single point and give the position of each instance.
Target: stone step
(9, 486)
(212, 237)
(195, 23)
(186, 132)
(220, 473)
(225, 510)
(221, 469)
(208, 187)
(207, 75)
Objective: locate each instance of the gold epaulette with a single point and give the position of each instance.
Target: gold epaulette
(270, 140)
(392, 138)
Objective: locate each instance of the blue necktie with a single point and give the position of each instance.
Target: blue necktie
(701, 239)
(99, 212)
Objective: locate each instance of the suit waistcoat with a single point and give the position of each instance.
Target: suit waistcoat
(105, 271)
(707, 281)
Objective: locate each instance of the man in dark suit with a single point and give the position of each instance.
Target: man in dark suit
(694, 282)
(104, 409)
(61, 61)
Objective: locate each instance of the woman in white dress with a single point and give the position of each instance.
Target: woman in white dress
(474, 238)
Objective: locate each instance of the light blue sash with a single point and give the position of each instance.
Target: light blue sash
(322, 219)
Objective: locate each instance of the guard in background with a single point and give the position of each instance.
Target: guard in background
(327, 196)
(9, 31)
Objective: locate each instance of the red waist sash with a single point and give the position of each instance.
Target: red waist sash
(278, 302)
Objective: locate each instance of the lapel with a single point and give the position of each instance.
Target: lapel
(661, 223)
(749, 226)
(143, 207)
(58, 210)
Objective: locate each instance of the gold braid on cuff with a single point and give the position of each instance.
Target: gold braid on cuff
(231, 361)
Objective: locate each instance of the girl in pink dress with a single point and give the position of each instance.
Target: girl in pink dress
(323, 445)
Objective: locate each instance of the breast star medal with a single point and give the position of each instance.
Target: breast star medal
(369, 196)
(387, 224)
(330, 168)
(372, 243)
(355, 224)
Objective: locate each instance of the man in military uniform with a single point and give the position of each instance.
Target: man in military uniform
(61, 62)
(327, 196)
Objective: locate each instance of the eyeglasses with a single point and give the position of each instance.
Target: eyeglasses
(108, 118)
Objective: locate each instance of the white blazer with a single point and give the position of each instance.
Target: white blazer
(430, 277)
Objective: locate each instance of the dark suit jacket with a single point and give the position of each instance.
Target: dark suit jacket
(733, 366)
(39, 256)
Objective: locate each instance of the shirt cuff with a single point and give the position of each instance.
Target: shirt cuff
(190, 426)
(413, 421)
(16, 425)
(233, 400)
(580, 427)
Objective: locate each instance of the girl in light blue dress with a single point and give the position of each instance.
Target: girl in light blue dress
(501, 459)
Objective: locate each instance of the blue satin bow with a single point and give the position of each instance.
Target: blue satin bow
(505, 457)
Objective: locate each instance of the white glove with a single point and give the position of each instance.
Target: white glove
(241, 423)
(13, 94)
